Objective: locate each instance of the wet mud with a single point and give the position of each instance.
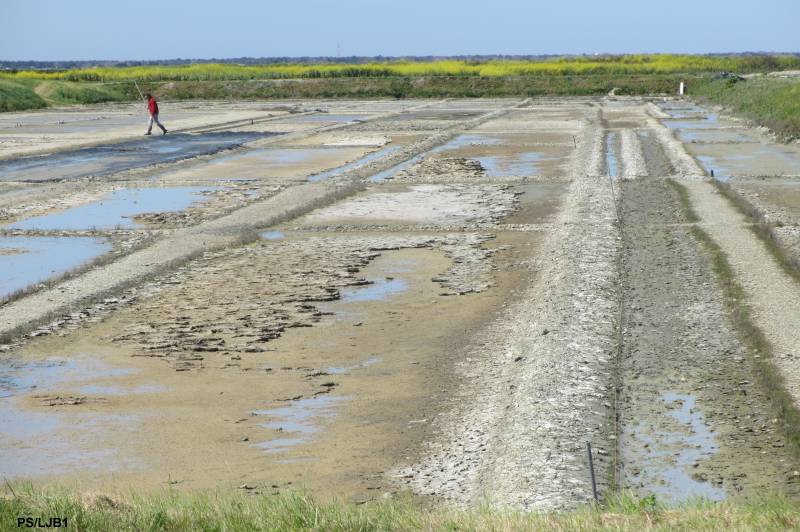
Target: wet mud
(104, 160)
(458, 296)
(690, 403)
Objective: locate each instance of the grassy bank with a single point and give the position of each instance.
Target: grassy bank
(18, 96)
(768, 101)
(64, 92)
(37, 93)
(240, 511)
(423, 87)
(23, 94)
(564, 76)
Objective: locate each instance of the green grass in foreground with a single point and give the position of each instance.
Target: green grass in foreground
(771, 102)
(294, 511)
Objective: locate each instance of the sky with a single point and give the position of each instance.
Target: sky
(107, 29)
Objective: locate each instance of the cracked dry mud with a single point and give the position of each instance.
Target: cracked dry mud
(275, 286)
(457, 330)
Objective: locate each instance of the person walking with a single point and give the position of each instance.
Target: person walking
(152, 108)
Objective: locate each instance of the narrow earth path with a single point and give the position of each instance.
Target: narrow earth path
(694, 419)
(772, 294)
(536, 384)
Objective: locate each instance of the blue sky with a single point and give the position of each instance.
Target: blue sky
(108, 29)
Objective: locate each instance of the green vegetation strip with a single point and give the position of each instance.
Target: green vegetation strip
(558, 76)
(776, 106)
(32, 93)
(689, 213)
(752, 337)
(557, 66)
(293, 511)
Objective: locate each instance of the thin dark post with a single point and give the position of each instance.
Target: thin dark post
(614, 197)
(591, 470)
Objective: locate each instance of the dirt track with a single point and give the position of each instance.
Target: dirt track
(445, 297)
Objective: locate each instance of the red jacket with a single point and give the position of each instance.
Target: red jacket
(152, 106)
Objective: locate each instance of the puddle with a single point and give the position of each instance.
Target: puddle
(273, 235)
(34, 443)
(377, 290)
(117, 209)
(355, 164)
(702, 121)
(671, 455)
(24, 425)
(746, 159)
(268, 162)
(297, 421)
(111, 158)
(681, 109)
(466, 141)
(437, 114)
(271, 156)
(713, 167)
(523, 164)
(18, 377)
(611, 154)
(97, 389)
(347, 369)
(35, 259)
(714, 136)
(383, 285)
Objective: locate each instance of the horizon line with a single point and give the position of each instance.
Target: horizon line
(389, 57)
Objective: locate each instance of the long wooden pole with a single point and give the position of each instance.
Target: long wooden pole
(140, 92)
